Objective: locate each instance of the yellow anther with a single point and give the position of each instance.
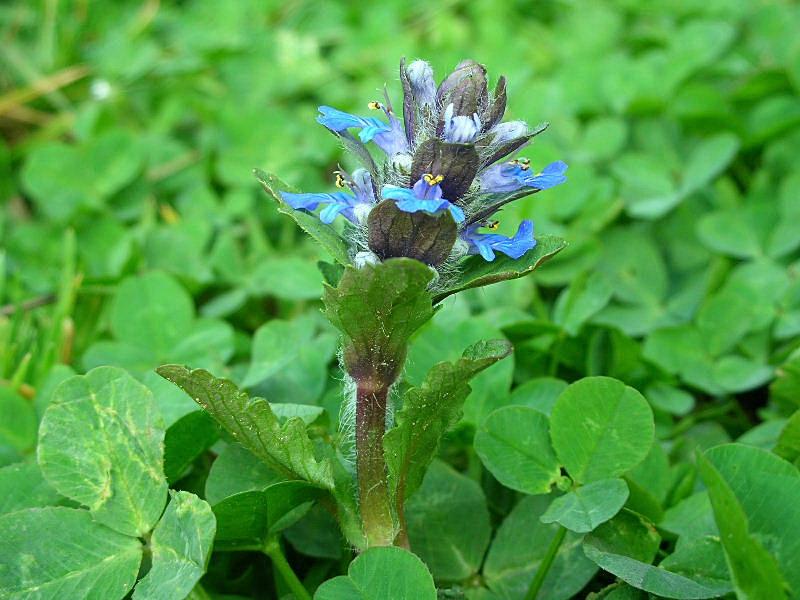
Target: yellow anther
(340, 181)
(375, 105)
(432, 179)
(522, 163)
(492, 225)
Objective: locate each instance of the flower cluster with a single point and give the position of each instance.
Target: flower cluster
(446, 171)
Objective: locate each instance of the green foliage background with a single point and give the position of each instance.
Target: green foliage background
(132, 232)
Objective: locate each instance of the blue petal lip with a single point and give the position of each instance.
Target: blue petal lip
(338, 121)
(551, 176)
(309, 201)
(338, 203)
(486, 244)
(407, 201)
(510, 177)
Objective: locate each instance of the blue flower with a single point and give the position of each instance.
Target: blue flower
(426, 196)
(486, 244)
(515, 175)
(354, 207)
(391, 137)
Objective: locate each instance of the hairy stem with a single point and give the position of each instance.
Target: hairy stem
(547, 562)
(373, 490)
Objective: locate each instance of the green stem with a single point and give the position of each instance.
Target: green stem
(547, 562)
(373, 488)
(273, 549)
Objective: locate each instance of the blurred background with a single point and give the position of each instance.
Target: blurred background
(133, 232)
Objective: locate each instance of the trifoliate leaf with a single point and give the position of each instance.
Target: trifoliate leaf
(180, 546)
(101, 443)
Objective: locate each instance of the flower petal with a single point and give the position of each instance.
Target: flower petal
(551, 176)
(338, 121)
(486, 244)
(310, 201)
(408, 201)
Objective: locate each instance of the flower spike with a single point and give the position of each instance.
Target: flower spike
(441, 162)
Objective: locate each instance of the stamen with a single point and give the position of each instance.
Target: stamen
(375, 105)
(522, 162)
(340, 181)
(432, 179)
(492, 225)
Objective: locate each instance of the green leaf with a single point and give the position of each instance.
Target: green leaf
(653, 473)
(520, 545)
(327, 237)
(22, 486)
(670, 399)
(290, 359)
(57, 553)
(514, 445)
(285, 448)
(692, 516)
(237, 470)
(760, 531)
(710, 158)
(379, 574)
(620, 591)
(286, 277)
(444, 338)
(476, 272)
(653, 579)
(628, 533)
(276, 344)
(185, 440)
(601, 428)
(647, 186)
(101, 444)
(788, 446)
(248, 519)
(317, 534)
(17, 420)
(730, 232)
(152, 311)
(540, 393)
(436, 517)
(180, 546)
(682, 350)
(786, 387)
(62, 179)
(153, 321)
(378, 308)
(588, 506)
(581, 300)
(700, 558)
(429, 410)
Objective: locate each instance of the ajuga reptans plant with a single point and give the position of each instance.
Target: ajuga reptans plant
(405, 232)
